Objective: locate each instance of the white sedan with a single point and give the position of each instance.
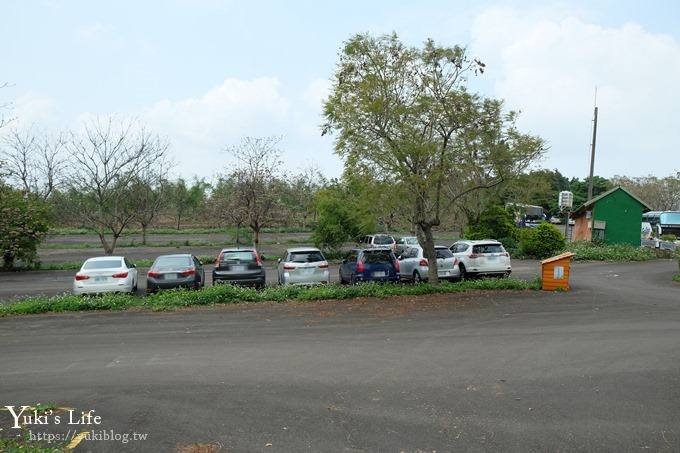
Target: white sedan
(106, 274)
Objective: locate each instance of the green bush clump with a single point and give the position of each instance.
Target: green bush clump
(495, 222)
(589, 251)
(542, 242)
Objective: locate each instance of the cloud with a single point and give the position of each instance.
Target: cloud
(31, 108)
(550, 68)
(201, 128)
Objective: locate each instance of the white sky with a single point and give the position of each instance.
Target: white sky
(206, 73)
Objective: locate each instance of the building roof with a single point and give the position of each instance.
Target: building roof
(592, 201)
(562, 256)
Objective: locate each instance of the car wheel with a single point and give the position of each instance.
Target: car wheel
(417, 279)
(461, 266)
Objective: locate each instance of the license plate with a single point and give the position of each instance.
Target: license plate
(238, 268)
(170, 277)
(379, 274)
(306, 271)
(101, 279)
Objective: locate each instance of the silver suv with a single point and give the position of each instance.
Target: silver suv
(482, 257)
(378, 240)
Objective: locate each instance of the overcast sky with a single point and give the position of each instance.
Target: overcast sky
(206, 73)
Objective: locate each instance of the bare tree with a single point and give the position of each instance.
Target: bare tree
(149, 193)
(255, 175)
(226, 207)
(34, 161)
(106, 162)
(4, 106)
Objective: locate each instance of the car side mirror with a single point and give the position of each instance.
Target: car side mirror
(344, 261)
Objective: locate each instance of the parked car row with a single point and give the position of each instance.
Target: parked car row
(297, 266)
(238, 266)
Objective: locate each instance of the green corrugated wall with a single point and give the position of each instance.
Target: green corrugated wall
(623, 215)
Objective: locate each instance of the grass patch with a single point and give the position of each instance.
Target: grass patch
(228, 294)
(24, 444)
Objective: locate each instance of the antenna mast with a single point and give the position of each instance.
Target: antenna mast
(592, 151)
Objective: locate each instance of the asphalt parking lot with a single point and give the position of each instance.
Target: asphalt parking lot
(593, 369)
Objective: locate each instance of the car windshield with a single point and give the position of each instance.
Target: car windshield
(383, 240)
(171, 261)
(488, 248)
(103, 264)
(377, 256)
(306, 257)
(238, 255)
(443, 252)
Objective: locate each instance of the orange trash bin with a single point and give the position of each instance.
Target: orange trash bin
(555, 272)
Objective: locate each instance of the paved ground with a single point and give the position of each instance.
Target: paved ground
(595, 369)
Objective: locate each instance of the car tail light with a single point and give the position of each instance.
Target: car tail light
(288, 267)
(257, 258)
(120, 275)
(360, 266)
(396, 265)
(475, 255)
(423, 262)
(323, 266)
(153, 274)
(505, 254)
(217, 260)
(187, 273)
(80, 277)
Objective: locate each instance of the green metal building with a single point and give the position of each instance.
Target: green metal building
(614, 217)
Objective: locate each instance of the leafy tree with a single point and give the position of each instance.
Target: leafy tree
(543, 241)
(184, 200)
(404, 115)
(495, 222)
(24, 221)
(580, 188)
(105, 164)
(338, 221)
(662, 194)
(297, 194)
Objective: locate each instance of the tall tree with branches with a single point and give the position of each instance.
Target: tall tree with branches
(34, 162)
(106, 162)
(254, 176)
(405, 114)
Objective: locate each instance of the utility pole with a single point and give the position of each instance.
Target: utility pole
(592, 153)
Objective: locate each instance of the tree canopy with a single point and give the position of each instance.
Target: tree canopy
(404, 115)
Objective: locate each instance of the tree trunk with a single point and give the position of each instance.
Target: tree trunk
(426, 238)
(108, 250)
(144, 227)
(256, 239)
(238, 234)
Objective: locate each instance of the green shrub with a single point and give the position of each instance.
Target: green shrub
(495, 222)
(589, 251)
(228, 294)
(543, 241)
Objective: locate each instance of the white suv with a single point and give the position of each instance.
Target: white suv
(483, 257)
(378, 240)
